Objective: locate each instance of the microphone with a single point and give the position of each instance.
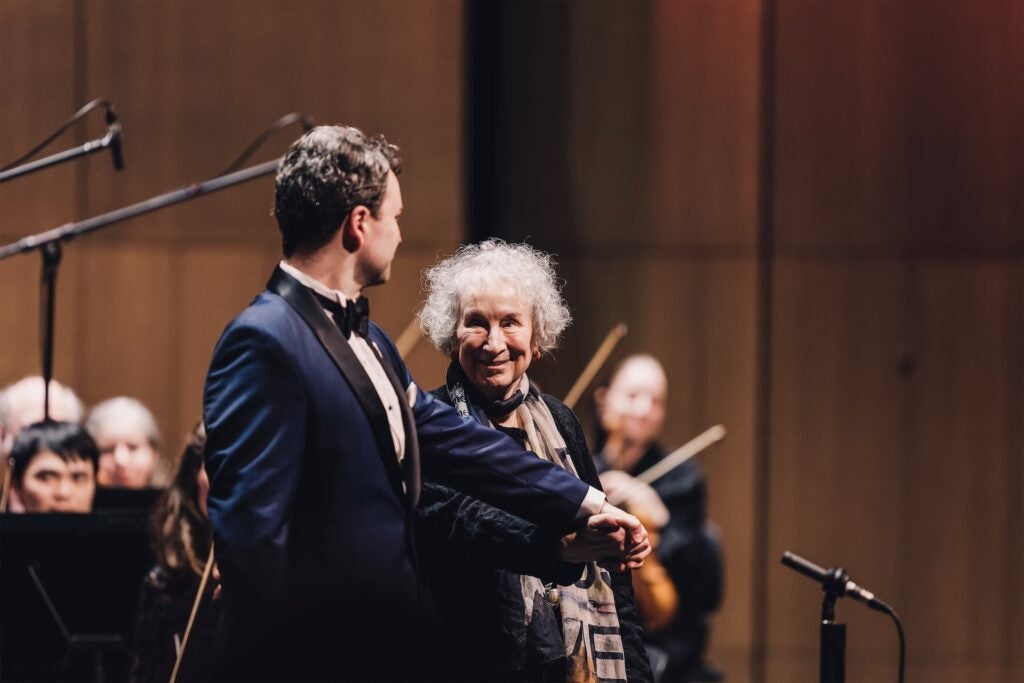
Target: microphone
(834, 580)
(114, 135)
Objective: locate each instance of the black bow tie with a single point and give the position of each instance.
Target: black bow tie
(353, 317)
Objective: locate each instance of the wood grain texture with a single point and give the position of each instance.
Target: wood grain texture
(142, 303)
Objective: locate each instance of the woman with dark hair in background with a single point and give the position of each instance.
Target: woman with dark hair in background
(181, 537)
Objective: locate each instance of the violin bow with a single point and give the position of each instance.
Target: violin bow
(674, 459)
(410, 336)
(596, 362)
(192, 615)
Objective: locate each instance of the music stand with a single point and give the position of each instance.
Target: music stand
(69, 584)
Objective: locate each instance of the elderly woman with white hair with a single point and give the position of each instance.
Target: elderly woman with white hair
(511, 602)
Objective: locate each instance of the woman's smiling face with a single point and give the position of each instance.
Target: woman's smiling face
(494, 340)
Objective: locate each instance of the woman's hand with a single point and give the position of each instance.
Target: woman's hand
(613, 538)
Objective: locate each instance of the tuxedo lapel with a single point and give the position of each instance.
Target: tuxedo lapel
(334, 343)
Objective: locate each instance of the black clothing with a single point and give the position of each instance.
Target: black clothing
(165, 602)
(691, 554)
(470, 558)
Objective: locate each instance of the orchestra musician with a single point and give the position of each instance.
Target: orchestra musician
(631, 412)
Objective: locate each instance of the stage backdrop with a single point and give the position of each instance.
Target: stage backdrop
(141, 305)
(813, 213)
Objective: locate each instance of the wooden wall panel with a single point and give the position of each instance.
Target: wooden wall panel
(199, 80)
(33, 103)
(963, 546)
(398, 302)
(125, 299)
(729, 301)
(838, 443)
(703, 122)
(697, 317)
(41, 34)
(193, 83)
(897, 407)
(628, 147)
(909, 118)
(214, 283)
(21, 324)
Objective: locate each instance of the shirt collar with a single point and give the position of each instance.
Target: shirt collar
(314, 284)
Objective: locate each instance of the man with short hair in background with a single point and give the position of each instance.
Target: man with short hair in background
(21, 404)
(53, 469)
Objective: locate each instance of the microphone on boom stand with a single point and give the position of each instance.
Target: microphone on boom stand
(114, 131)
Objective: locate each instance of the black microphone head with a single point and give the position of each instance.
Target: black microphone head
(115, 146)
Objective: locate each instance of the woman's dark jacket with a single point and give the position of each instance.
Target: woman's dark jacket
(470, 559)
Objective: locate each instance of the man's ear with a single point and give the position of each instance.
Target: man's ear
(353, 230)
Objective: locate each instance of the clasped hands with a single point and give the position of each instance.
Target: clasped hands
(613, 538)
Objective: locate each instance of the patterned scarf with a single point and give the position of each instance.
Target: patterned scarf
(590, 624)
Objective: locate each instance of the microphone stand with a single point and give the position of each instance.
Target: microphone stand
(49, 242)
(832, 662)
(836, 583)
(111, 139)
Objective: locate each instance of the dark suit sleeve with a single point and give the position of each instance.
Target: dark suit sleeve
(466, 527)
(638, 667)
(489, 465)
(254, 407)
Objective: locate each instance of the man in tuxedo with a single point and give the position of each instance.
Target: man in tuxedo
(316, 437)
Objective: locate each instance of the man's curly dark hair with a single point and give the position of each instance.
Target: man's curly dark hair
(326, 174)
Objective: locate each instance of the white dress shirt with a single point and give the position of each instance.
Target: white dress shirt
(369, 357)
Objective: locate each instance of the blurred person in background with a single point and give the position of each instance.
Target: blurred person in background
(21, 404)
(631, 412)
(53, 469)
(129, 441)
(181, 537)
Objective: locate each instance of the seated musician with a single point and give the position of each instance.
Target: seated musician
(21, 404)
(631, 412)
(129, 441)
(181, 537)
(53, 468)
(514, 602)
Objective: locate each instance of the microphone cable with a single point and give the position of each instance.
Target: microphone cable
(887, 609)
(288, 119)
(111, 118)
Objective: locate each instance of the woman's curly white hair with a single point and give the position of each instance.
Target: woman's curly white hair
(477, 267)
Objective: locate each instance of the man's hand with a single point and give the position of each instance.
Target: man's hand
(601, 543)
(618, 538)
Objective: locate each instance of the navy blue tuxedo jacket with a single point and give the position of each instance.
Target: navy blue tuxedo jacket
(309, 506)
